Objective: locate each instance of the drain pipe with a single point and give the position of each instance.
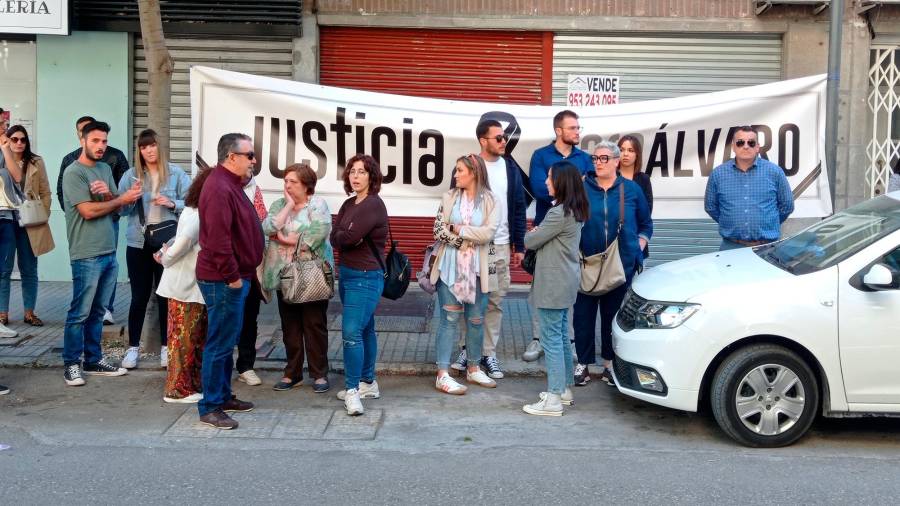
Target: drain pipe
(832, 95)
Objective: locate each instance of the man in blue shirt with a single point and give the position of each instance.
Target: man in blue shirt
(748, 196)
(565, 147)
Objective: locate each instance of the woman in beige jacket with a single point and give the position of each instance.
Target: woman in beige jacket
(463, 271)
(23, 176)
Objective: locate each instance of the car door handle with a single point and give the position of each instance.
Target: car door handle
(827, 303)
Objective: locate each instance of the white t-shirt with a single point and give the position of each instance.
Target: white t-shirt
(499, 184)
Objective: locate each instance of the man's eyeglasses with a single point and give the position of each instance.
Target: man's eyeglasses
(602, 158)
(16, 140)
(740, 143)
(574, 128)
(249, 154)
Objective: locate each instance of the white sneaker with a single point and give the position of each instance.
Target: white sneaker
(191, 399)
(164, 357)
(366, 391)
(131, 357)
(533, 351)
(549, 405)
(250, 378)
(7, 332)
(481, 379)
(448, 385)
(108, 318)
(352, 403)
(566, 397)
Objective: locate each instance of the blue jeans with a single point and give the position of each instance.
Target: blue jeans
(13, 240)
(727, 245)
(92, 281)
(112, 295)
(225, 314)
(360, 292)
(447, 329)
(557, 352)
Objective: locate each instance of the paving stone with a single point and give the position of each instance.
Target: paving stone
(257, 424)
(354, 427)
(188, 425)
(306, 424)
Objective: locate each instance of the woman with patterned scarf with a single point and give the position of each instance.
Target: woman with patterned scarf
(463, 270)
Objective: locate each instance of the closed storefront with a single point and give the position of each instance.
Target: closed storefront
(477, 65)
(662, 65)
(272, 57)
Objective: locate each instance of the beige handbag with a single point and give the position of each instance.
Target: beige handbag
(32, 212)
(603, 272)
(307, 278)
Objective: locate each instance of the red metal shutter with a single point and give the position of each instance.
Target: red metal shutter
(478, 65)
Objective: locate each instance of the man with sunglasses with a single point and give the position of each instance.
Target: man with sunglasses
(231, 246)
(506, 183)
(748, 196)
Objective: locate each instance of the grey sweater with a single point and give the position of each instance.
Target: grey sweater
(557, 271)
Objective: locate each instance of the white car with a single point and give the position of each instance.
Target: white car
(771, 336)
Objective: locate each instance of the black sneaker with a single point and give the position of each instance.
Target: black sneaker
(73, 375)
(4, 389)
(493, 367)
(461, 361)
(582, 377)
(607, 378)
(103, 368)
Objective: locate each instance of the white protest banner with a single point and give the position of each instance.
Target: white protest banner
(417, 140)
(592, 90)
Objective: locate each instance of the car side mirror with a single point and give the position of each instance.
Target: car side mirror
(879, 277)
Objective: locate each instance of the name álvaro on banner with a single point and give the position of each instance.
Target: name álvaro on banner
(417, 140)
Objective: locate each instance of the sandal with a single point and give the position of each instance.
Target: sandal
(33, 320)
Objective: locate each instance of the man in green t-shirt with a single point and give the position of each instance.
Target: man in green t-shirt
(90, 200)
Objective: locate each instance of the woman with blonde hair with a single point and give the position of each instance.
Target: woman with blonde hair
(464, 228)
(165, 186)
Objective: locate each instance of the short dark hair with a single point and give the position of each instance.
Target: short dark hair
(228, 143)
(83, 119)
(482, 129)
(305, 174)
(192, 199)
(748, 129)
(94, 125)
(371, 166)
(561, 115)
(569, 190)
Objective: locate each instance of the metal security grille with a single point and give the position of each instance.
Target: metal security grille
(654, 66)
(273, 58)
(883, 149)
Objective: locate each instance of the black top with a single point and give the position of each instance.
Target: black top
(643, 180)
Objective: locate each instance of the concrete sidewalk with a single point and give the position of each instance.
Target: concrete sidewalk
(405, 328)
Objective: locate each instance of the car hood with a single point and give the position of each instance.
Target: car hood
(684, 280)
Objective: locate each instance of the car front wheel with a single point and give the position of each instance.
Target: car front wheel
(764, 395)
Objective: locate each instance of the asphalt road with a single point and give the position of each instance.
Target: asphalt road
(115, 442)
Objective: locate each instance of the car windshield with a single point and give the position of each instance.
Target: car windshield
(836, 238)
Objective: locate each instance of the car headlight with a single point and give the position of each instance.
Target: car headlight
(663, 315)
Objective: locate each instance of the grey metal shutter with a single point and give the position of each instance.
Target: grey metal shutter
(654, 66)
(273, 58)
(664, 65)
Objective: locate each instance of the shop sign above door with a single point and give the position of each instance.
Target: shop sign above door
(49, 17)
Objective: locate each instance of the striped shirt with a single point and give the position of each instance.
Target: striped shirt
(751, 205)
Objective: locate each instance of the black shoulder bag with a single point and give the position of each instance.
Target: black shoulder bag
(155, 234)
(397, 270)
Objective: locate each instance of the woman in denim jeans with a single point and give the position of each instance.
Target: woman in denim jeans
(359, 233)
(163, 200)
(464, 228)
(556, 278)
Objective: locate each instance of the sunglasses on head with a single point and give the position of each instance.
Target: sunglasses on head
(498, 138)
(249, 154)
(740, 143)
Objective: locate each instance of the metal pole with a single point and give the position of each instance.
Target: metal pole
(832, 98)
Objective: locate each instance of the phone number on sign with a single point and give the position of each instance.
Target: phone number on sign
(591, 99)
